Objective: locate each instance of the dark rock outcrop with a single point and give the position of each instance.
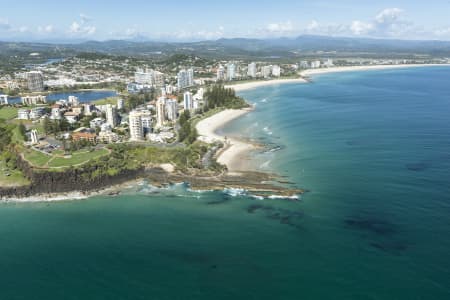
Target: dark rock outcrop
(44, 181)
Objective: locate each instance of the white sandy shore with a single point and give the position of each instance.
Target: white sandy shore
(365, 68)
(236, 151)
(256, 84)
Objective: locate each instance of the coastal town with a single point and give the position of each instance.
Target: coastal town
(57, 122)
(125, 117)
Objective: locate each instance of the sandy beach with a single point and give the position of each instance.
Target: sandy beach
(364, 68)
(256, 84)
(235, 153)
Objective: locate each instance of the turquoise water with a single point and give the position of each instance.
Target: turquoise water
(373, 148)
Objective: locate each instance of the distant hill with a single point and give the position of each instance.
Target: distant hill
(306, 45)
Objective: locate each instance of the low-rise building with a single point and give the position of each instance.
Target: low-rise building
(77, 109)
(56, 112)
(34, 100)
(161, 137)
(84, 136)
(72, 117)
(23, 114)
(36, 113)
(3, 99)
(97, 122)
(73, 101)
(108, 137)
(34, 136)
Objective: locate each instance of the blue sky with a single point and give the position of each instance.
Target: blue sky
(202, 19)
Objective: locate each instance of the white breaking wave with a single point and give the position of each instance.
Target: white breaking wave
(265, 165)
(267, 130)
(235, 192)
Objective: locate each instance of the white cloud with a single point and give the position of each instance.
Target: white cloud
(131, 32)
(280, 28)
(199, 34)
(388, 23)
(4, 24)
(361, 28)
(82, 27)
(22, 29)
(85, 18)
(389, 15)
(312, 26)
(46, 29)
(442, 32)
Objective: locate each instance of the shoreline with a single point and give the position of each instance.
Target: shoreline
(256, 84)
(235, 154)
(312, 72)
(73, 195)
(238, 87)
(235, 151)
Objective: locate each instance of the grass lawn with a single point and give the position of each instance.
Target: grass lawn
(8, 113)
(16, 177)
(36, 158)
(110, 100)
(17, 136)
(77, 158)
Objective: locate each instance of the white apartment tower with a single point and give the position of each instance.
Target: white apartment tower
(266, 71)
(276, 71)
(149, 77)
(220, 73)
(111, 115)
(251, 72)
(120, 104)
(187, 101)
(160, 111)
(185, 78)
(146, 120)
(135, 125)
(231, 71)
(35, 81)
(172, 109)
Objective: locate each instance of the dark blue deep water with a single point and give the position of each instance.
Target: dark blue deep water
(372, 148)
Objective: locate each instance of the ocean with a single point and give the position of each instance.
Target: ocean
(372, 149)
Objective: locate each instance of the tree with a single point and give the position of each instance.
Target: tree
(23, 131)
(219, 96)
(47, 126)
